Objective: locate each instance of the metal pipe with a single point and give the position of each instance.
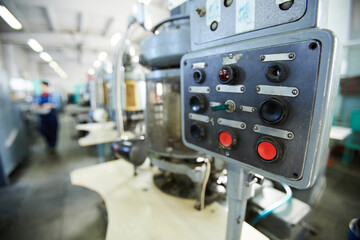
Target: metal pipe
(119, 78)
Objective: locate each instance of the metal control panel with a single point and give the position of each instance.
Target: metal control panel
(264, 104)
(215, 22)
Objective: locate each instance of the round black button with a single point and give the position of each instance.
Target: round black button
(197, 103)
(273, 111)
(197, 131)
(199, 76)
(276, 72)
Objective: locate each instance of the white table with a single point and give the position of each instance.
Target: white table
(137, 210)
(339, 133)
(100, 133)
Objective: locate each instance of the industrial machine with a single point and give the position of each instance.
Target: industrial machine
(257, 91)
(185, 172)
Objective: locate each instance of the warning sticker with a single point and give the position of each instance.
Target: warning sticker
(245, 15)
(213, 11)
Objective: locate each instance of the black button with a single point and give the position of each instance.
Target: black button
(197, 103)
(273, 111)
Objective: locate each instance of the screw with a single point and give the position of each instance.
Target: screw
(218, 88)
(257, 89)
(241, 108)
(292, 55)
(227, 153)
(208, 89)
(294, 92)
(219, 121)
(242, 89)
(253, 109)
(190, 88)
(243, 125)
(231, 56)
(290, 135)
(256, 128)
(228, 3)
(201, 11)
(262, 58)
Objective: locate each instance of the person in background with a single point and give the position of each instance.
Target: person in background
(47, 105)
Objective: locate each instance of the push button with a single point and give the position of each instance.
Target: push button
(267, 151)
(225, 139)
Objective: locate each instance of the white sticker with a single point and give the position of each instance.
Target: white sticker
(245, 15)
(213, 11)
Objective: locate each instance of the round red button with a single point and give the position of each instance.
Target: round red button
(267, 151)
(225, 139)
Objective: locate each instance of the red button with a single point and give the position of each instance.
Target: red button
(225, 139)
(267, 151)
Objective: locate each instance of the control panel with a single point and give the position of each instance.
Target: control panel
(263, 104)
(215, 22)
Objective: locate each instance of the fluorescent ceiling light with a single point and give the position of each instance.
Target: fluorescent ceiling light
(53, 64)
(102, 56)
(45, 56)
(91, 71)
(97, 63)
(35, 45)
(9, 18)
(115, 39)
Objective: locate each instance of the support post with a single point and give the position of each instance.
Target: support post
(238, 190)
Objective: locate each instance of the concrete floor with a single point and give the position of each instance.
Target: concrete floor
(41, 203)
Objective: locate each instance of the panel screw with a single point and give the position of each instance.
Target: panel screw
(262, 57)
(241, 108)
(292, 55)
(253, 109)
(257, 89)
(201, 11)
(290, 135)
(219, 121)
(294, 92)
(231, 56)
(190, 89)
(242, 89)
(227, 153)
(227, 3)
(256, 128)
(218, 88)
(208, 89)
(243, 125)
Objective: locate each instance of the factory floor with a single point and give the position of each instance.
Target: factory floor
(41, 203)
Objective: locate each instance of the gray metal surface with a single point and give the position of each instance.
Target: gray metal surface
(166, 48)
(310, 113)
(247, 19)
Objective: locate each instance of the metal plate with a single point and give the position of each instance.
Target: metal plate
(231, 123)
(308, 117)
(199, 65)
(230, 88)
(248, 19)
(196, 89)
(278, 57)
(198, 117)
(277, 90)
(273, 132)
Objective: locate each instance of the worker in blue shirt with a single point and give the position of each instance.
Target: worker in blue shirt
(47, 105)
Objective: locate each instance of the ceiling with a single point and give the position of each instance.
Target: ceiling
(73, 32)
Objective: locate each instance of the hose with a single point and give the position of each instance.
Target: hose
(174, 18)
(275, 206)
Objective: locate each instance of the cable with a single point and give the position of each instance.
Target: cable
(275, 206)
(174, 18)
(203, 189)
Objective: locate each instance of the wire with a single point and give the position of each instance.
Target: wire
(171, 19)
(203, 188)
(275, 206)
